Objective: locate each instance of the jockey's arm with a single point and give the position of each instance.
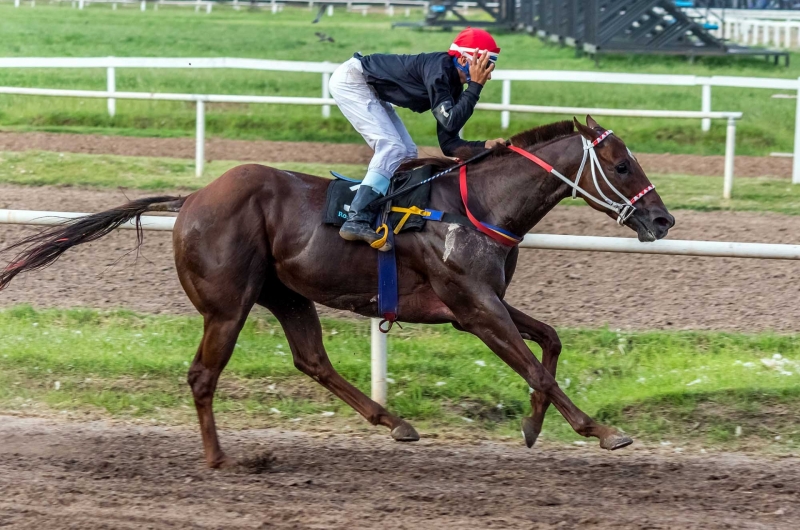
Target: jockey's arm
(450, 142)
(452, 116)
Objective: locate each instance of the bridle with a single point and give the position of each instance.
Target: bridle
(623, 209)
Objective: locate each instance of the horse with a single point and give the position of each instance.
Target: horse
(255, 236)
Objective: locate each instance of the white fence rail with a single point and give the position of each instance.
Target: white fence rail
(378, 347)
(202, 99)
(324, 69)
(275, 6)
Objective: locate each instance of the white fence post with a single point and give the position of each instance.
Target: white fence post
(378, 348)
(505, 116)
(730, 153)
(330, 10)
(80, 4)
(706, 107)
(796, 162)
(143, 5)
(326, 109)
(16, 3)
(199, 150)
(111, 86)
(208, 8)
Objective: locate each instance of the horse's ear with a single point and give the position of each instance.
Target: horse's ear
(593, 124)
(586, 132)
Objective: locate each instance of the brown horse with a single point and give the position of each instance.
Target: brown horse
(255, 236)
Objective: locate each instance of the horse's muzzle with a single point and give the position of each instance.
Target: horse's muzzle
(651, 225)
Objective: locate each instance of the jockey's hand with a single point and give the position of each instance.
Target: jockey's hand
(491, 143)
(480, 68)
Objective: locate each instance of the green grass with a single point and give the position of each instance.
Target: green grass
(60, 31)
(681, 387)
(39, 168)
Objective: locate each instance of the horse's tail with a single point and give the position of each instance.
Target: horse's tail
(44, 248)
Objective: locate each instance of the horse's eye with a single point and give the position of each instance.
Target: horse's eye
(622, 168)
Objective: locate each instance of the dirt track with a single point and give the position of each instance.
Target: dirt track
(93, 476)
(108, 475)
(575, 289)
(262, 151)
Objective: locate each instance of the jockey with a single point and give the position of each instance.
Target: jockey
(365, 88)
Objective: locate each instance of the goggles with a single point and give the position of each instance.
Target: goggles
(470, 53)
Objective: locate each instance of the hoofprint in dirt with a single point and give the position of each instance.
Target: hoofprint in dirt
(322, 153)
(56, 474)
(571, 289)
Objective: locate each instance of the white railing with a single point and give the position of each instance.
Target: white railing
(276, 6)
(767, 27)
(201, 99)
(379, 354)
(111, 64)
(778, 33)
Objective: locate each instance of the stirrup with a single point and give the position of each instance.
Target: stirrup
(381, 242)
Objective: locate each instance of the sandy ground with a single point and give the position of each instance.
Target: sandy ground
(101, 475)
(260, 151)
(110, 475)
(575, 289)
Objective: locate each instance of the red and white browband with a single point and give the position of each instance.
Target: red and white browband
(470, 52)
(623, 209)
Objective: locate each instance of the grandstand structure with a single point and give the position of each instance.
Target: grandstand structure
(597, 27)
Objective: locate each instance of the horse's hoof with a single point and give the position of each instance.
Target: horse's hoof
(529, 431)
(405, 433)
(615, 441)
(223, 462)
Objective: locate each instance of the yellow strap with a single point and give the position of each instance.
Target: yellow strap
(412, 210)
(382, 241)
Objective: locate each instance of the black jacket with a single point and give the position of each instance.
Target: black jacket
(428, 81)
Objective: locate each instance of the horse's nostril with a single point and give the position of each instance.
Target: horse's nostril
(664, 222)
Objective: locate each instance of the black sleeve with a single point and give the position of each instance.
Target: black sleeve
(450, 141)
(452, 115)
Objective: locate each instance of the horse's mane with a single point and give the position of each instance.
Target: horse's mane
(529, 138)
(545, 133)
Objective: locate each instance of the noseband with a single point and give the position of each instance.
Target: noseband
(623, 209)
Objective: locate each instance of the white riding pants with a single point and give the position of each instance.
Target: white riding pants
(375, 120)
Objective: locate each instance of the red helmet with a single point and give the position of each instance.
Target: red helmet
(472, 40)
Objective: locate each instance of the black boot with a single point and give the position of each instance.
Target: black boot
(360, 218)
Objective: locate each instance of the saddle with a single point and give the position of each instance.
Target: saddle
(406, 209)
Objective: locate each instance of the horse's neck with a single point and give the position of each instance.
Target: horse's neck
(515, 194)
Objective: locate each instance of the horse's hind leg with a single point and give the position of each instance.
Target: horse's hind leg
(300, 323)
(547, 339)
(219, 339)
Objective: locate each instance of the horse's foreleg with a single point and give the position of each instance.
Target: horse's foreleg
(547, 339)
(485, 316)
(219, 339)
(300, 323)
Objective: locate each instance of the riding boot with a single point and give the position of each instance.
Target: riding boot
(360, 218)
